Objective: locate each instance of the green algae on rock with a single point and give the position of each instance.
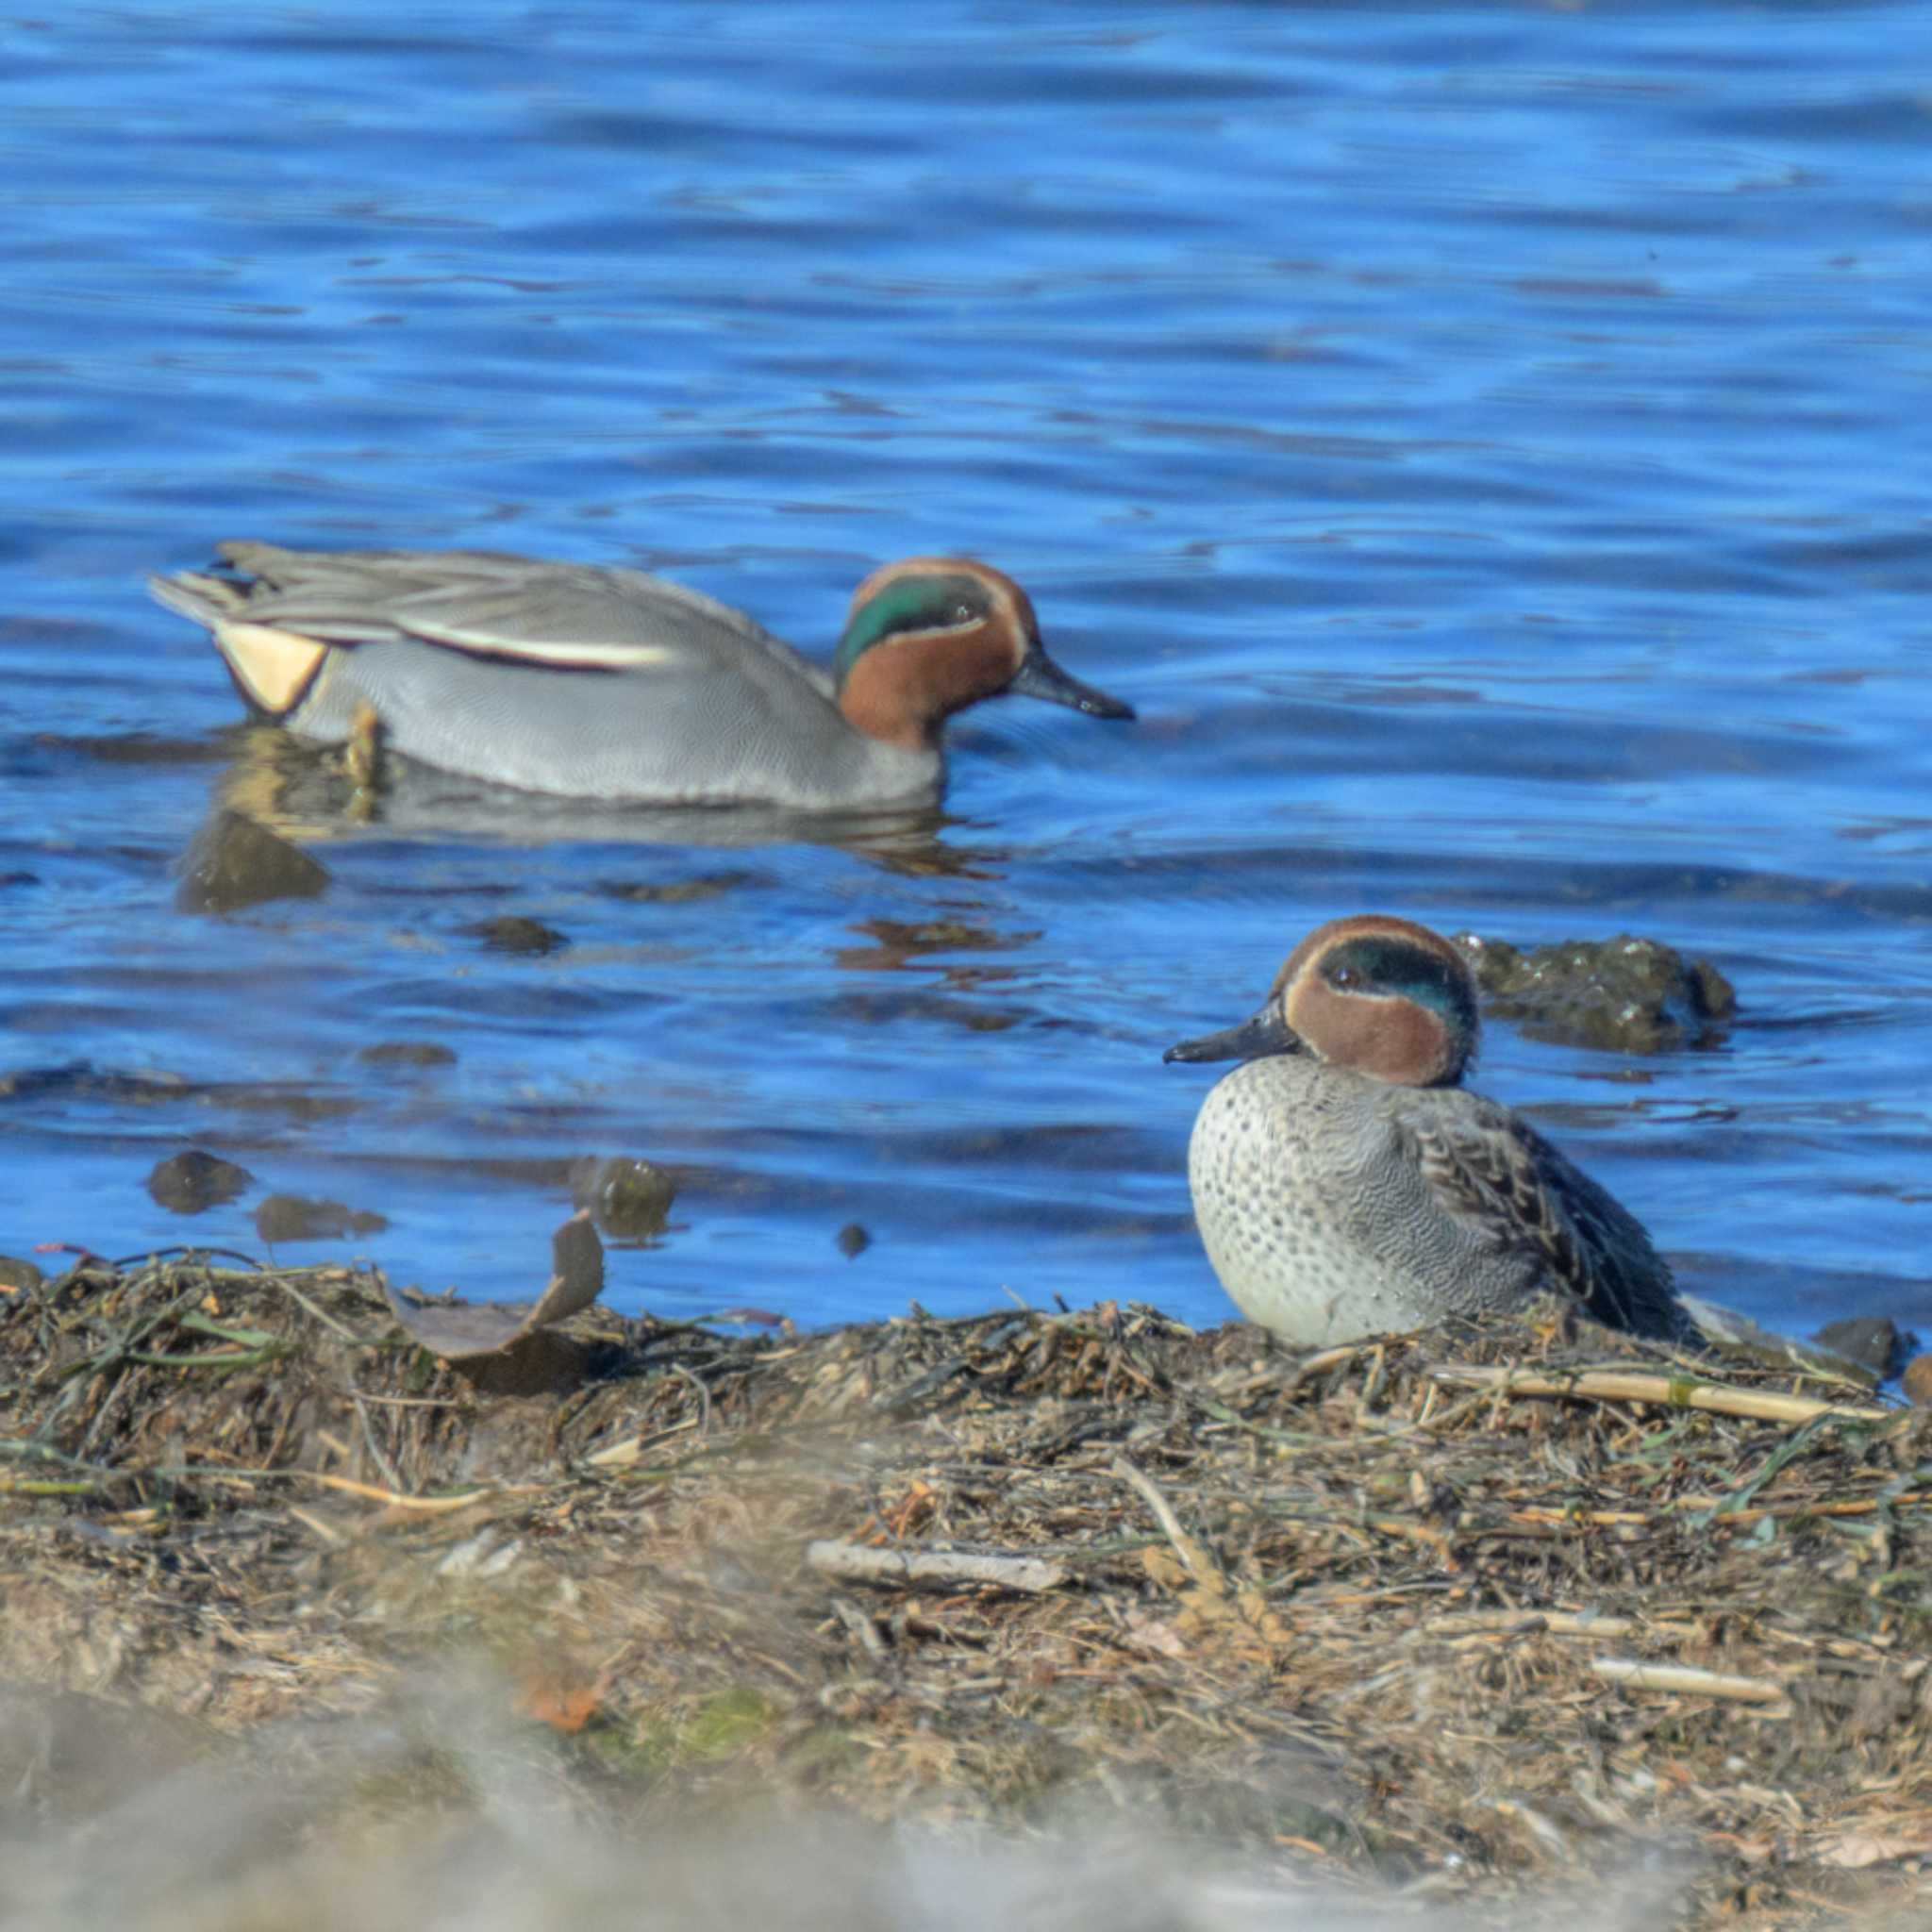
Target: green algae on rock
(1620, 996)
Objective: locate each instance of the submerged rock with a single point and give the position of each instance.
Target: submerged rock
(296, 1218)
(678, 892)
(234, 863)
(406, 1053)
(1737, 1338)
(513, 932)
(1621, 996)
(630, 1199)
(189, 1182)
(77, 1080)
(1870, 1340)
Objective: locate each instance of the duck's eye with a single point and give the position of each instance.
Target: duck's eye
(1342, 975)
(962, 613)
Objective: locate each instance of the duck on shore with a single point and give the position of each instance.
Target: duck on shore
(1346, 1184)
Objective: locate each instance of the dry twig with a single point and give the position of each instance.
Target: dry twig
(855, 1563)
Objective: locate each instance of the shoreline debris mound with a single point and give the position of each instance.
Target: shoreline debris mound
(1488, 1611)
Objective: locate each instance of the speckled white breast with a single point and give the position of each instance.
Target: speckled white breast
(1315, 1216)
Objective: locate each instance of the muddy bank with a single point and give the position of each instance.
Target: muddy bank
(1482, 1613)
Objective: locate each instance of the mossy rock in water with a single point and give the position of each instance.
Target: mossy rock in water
(1622, 995)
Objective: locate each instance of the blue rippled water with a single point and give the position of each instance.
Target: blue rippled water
(1487, 445)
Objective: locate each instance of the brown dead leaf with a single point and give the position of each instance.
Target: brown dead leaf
(507, 1348)
(564, 1700)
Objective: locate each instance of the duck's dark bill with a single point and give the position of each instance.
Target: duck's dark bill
(1253, 1039)
(1039, 676)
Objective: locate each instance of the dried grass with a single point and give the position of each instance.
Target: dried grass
(1483, 1613)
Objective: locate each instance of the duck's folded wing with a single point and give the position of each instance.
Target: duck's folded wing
(1505, 1179)
(493, 605)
